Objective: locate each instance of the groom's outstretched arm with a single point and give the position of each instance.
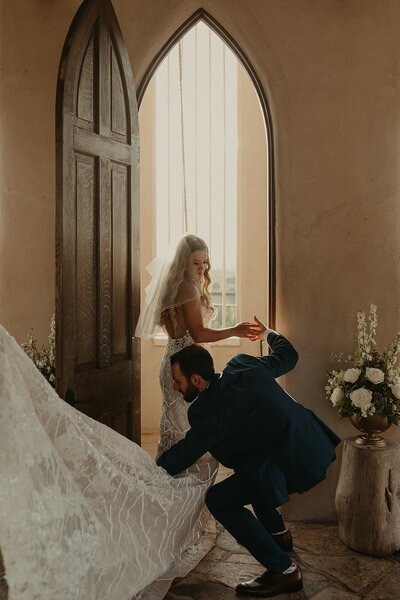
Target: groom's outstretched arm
(281, 360)
(186, 452)
(283, 357)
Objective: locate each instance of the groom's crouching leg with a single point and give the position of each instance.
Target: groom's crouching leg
(226, 501)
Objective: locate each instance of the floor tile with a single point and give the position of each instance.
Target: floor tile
(318, 538)
(388, 586)
(334, 593)
(209, 590)
(356, 573)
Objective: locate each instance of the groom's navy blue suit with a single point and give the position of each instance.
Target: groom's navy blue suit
(274, 445)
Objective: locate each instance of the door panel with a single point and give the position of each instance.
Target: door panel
(86, 301)
(85, 88)
(118, 114)
(98, 223)
(121, 240)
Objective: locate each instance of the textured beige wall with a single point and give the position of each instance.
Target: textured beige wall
(331, 69)
(32, 36)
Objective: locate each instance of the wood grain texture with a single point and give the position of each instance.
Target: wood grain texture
(120, 253)
(118, 100)
(105, 265)
(85, 87)
(86, 267)
(368, 498)
(97, 222)
(105, 108)
(98, 145)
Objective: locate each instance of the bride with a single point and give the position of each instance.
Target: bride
(86, 514)
(178, 301)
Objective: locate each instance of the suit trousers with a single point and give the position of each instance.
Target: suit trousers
(226, 501)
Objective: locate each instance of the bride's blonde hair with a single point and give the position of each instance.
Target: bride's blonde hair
(176, 276)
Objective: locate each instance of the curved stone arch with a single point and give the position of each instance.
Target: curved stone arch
(202, 15)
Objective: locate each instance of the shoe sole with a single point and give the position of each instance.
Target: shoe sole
(296, 587)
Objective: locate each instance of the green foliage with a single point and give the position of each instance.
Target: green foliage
(44, 359)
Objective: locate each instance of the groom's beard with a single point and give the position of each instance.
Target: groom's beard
(191, 392)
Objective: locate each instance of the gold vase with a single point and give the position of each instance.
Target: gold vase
(370, 427)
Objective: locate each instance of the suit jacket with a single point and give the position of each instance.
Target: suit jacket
(250, 424)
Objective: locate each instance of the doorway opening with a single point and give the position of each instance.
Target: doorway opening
(206, 169)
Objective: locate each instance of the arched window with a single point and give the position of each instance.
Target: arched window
(248, 206)
(178, 93)
(196, 144)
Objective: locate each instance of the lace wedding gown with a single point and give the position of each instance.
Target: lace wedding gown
(173, 427)
(85, 514)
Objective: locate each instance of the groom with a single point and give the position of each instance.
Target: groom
(274, 445)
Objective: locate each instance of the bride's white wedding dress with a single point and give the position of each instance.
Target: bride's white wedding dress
(173, 427)
(85, 514)
(174, 421)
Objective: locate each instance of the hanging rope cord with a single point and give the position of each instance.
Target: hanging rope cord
(184, 198)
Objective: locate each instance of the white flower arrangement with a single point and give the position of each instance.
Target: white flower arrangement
(371, 385)
(44, 359)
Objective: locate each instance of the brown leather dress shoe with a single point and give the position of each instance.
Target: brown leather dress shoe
(284, 540)
(271, 584)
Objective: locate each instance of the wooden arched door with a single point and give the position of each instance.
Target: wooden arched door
(97, 236)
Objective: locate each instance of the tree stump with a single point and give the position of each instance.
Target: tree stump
(368, 498)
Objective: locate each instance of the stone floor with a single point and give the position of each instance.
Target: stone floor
(331, 571)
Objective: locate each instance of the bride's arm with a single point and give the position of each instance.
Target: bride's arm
(200, 334)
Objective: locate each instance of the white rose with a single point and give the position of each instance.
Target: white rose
(362, 399)
(375, 375)
(336, 395)
(396, 390)
(351, 375)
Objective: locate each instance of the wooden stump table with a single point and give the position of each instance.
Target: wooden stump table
(368, 498)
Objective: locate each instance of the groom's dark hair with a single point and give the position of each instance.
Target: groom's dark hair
(194, 360)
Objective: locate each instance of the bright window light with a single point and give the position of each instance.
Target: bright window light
(196, 156)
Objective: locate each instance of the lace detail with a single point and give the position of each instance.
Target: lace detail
(84, 512)
(174, 422)
(173, 427)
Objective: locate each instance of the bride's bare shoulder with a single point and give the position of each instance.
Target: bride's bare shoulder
(189, 289)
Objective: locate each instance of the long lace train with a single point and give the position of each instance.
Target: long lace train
(84, 513)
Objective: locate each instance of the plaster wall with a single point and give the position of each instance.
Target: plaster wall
(331, 70)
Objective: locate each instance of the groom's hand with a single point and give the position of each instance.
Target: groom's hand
(258, 330)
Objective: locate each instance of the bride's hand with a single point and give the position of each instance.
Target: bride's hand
(244, 329)
(247, 329)
(257, 330)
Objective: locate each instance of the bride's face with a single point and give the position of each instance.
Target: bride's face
(196, 264)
